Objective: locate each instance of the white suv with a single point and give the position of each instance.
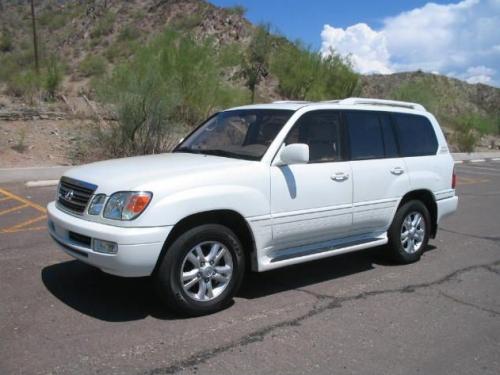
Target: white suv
(261, 187)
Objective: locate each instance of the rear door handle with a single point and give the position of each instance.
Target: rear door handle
(397, 171)
(340, 176)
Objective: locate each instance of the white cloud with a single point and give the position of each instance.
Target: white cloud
(366, 47)
(479, 74)
(458, 37)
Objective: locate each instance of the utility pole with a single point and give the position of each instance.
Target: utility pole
(35, 41)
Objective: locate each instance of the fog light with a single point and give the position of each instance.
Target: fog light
(105, 247)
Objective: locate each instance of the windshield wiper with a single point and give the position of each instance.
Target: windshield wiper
(188, 150)
(215, 152)
(229, 154)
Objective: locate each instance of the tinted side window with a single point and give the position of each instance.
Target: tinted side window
(365, 135)
(391, 148)
(320, 130)
(415, 135)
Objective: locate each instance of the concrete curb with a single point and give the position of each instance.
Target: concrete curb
(475, 157)
(42, 183)
(32, 174)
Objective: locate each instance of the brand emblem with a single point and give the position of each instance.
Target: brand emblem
(68, 195)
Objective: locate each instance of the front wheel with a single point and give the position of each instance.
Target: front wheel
(202, 270)
(409, 232)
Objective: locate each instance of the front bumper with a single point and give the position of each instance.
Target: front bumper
(138, 248)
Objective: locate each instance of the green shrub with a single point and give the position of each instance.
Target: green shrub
(15, 62)
(129, 33)
(24, 84)
(240, 10)
(8, 67)
(306, 75)
(139, 14)
(20, 145)
(483, 124)
(169, 85)
(92, 65)
(53, 19)
(256, 59)
(6, 41)
(231, 55)
(465, 135)
(104, 25)
(120, 50)
(53, 77)
(188, 23)
(421, 91)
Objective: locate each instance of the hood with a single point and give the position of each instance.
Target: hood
(129, 173)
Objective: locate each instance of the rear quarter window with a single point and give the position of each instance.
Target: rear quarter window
(415, 135)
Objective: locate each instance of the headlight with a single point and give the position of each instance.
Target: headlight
(126, 205)
(97, 204)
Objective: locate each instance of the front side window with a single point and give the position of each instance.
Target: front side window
(416, 135)
(241, 134)
(320, 130)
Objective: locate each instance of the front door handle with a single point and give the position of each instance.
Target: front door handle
(340, 176)
(397, 171)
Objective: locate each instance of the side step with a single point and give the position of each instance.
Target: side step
(312, 252)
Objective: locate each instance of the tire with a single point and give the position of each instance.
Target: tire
(211, 290)
(417, 236)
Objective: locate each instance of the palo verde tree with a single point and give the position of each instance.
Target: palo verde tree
(169, 85)
(256, 59)
(307, 75)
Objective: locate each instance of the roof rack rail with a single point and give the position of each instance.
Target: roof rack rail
(291, 102)
(390, 103)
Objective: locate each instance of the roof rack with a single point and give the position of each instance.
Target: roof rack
(291, 102)
(390, 103)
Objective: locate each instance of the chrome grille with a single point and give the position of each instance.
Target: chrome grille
(74, 195)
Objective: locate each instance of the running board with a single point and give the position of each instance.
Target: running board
(308, 254)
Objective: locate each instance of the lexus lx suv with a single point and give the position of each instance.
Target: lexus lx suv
(260, 187)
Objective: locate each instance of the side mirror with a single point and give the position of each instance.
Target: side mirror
(296, 153)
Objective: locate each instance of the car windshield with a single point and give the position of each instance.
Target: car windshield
(241, 134)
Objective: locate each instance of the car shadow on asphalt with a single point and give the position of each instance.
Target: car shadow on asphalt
(300, 276)
(116, 299)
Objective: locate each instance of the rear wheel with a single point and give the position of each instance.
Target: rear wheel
(409, 232)
(202, 270)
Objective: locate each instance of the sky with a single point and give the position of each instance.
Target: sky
(457, 38)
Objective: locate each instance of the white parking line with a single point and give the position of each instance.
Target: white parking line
(478, 168)
(496, 159)
(477, 160)
(459, 161)
(471, 171)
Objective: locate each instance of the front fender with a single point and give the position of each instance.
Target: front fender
(248, 202)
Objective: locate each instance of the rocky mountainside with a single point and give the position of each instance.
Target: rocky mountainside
(462, 96)
(74, 29)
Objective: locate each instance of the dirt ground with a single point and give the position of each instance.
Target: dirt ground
(40, 143)
(44, 134)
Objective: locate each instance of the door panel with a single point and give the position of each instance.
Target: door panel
(308, 205)
(312, 202)
(380, 176)
(378, 186)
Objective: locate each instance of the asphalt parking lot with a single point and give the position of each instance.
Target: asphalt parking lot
(352, 314)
